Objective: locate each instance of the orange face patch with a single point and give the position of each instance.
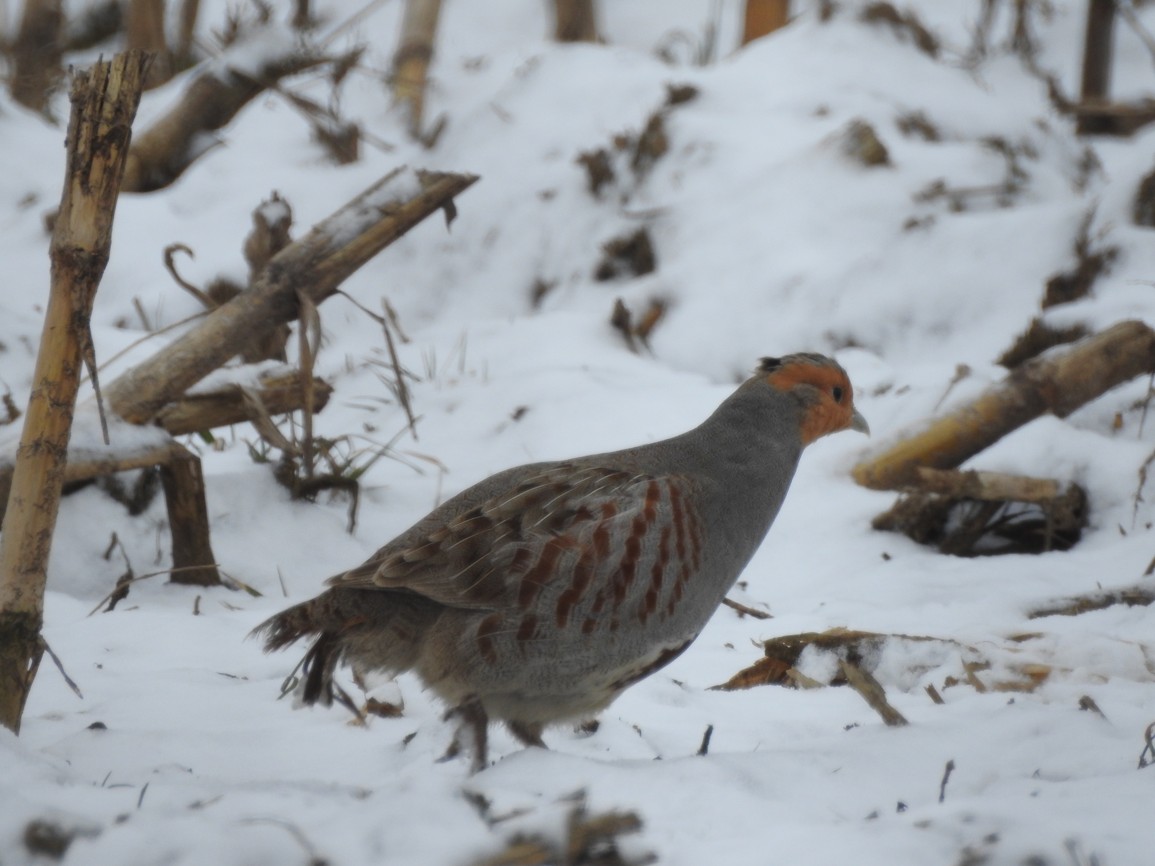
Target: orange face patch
(824, 414)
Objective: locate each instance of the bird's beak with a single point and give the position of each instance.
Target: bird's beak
(857, 422)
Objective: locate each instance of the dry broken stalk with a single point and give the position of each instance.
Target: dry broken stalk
(186, 29)
(315, 265)
(193, 561)
(1059, 381)
(986, 486)
(104, 103)
(1097, 52)
(213, 97)
(411, 61)
(574, 21)
(35, 53)
(763, 17)
(144, 30)
(872, 692)
(204, 410)
(87, 465)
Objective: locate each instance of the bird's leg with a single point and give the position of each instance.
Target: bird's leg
(527, 733)
(472, 715)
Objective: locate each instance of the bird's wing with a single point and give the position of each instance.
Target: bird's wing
(482, 548)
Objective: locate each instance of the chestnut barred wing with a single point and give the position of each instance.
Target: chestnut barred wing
(571, 536)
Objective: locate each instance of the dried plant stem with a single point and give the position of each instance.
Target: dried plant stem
(575, 21)
(763, 17)
(104, 102)
(411, 60)
(35, 53)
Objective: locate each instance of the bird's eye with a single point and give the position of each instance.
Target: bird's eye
(837, 392)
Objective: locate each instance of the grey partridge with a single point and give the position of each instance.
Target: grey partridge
(541, 593)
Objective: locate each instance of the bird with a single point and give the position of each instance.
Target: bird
(537, 596)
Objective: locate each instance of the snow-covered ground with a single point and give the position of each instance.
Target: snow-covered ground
(768, 239)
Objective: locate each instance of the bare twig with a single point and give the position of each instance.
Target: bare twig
(309, 344)
(946, 771)
(744, 610)
(1147, 756)
(399, 375)
(706, 735)
(60, 667)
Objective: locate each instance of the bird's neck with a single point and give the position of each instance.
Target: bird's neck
(743, 456)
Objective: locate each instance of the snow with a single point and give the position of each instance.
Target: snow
(768, 240)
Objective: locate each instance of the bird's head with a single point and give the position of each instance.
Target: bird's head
(823, 389)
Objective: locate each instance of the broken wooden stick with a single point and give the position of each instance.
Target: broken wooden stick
(214, 96)
(183, 481)
(86, 464)
(763, 17)
(574, 21)
(193, 561)
(985, 486)
(315, 266)
(1059, 381)
(220, 407)
(411, 62)
(1133, 596)
(35, 54)
(872, 692)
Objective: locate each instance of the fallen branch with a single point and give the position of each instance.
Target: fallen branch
(1134, 596)
(872, 692)
(986, 486)
(1114, 118)
(1059, 381)
(229, 404)
(184, 496)
(746, 610)
(86, 464)
(214, 96)
(314, 265)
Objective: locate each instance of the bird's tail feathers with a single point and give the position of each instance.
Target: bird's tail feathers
(312, 678)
